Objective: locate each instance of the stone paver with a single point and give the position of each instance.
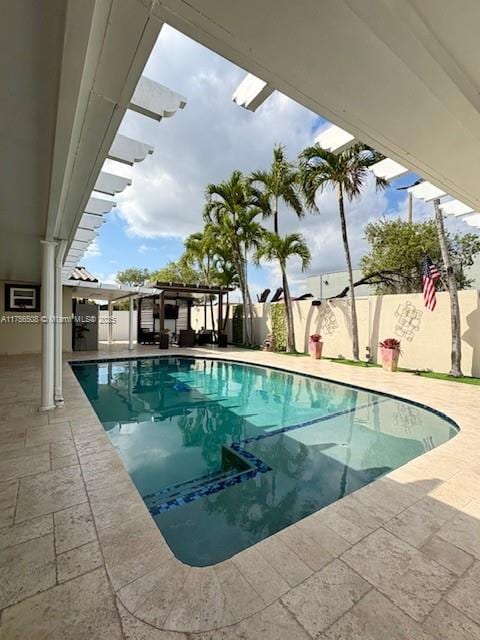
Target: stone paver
(73, 527)
(411, 580)
(398, 559)
(465, 595)
(324, 597)
(75, 562)
(376, 618)
(49, 492)
(80, 609)
(26, 568)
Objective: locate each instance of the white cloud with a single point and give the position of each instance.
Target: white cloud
(93, 249)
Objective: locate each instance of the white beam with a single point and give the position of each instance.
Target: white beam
(426, 191)
(110, 184)
(252, 92)
(90, 221)
(154, 100)
(84, 235)
(455, 208)
(99, 206)
(48, 312)
(335, 139)
(128, 151)
(388, 169)
(473, 221)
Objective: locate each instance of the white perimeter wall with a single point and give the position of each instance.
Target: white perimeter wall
(120, 325)
(424, 335)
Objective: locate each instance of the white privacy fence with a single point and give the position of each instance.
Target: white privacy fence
(120, 325)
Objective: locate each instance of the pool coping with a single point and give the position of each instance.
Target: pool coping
(274, 577)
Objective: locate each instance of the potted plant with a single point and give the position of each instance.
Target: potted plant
(315, 346)
(390, 352)
(163, 343)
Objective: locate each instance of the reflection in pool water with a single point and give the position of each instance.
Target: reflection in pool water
(227, 454)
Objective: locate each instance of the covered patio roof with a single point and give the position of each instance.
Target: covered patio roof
(107, 291)
(177, 287)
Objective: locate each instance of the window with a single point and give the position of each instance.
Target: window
(22, 298)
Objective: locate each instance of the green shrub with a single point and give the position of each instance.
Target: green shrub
(279, 325)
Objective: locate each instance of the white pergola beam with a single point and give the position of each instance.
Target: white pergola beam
(252, 92)
(110, 184)
(84, 235)
(455, 208)
(473, 220)
(91, 221)
(426, 191)
(155, 101)
(128, 151)
(99, 206)
(335, 139)
(388, 169)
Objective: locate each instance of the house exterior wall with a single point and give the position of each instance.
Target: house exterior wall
(424, 335)
(23, 337)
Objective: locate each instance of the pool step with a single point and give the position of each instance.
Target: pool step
(237, 466)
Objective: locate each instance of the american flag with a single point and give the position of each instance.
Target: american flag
(430, 275)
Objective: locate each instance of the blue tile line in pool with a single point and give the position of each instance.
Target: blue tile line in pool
(257, 466)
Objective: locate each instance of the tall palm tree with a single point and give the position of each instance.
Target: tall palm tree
(231, 208)
(456, 353)
(199, 252)
(274, 247)
(279, 183)
(347, 173)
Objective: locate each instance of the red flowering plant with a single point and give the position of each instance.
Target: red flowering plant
(316, 337)
(390, 343)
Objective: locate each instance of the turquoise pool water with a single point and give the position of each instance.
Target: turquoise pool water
(226, 454)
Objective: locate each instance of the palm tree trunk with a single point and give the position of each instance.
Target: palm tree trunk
(288, 312)
(275, 217)
(227, 311)
(353, 306)
(241, 277)
(456, 354)
(251, 312)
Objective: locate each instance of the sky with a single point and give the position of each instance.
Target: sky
(204, 143)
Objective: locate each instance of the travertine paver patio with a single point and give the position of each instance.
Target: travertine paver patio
(80, 556)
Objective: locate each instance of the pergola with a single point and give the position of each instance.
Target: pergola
(183, 295)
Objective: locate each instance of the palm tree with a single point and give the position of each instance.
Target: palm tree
(200, 252)
(279, 183)
(456, 353)
(347, 173)
(274, 247)
(231, 209)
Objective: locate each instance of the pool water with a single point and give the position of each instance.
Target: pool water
(226, 454)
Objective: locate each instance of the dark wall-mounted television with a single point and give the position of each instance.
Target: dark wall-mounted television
(171, 312)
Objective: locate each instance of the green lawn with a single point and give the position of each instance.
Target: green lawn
(359, 363)
(423, 374)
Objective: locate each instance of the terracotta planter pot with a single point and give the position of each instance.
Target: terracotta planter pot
(315, 349)
(389, 358)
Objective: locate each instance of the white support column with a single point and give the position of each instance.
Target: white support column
(110, 322)
(130, 323)
(58, 323)
(48, 338)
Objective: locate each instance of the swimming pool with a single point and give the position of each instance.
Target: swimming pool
(225, 454)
